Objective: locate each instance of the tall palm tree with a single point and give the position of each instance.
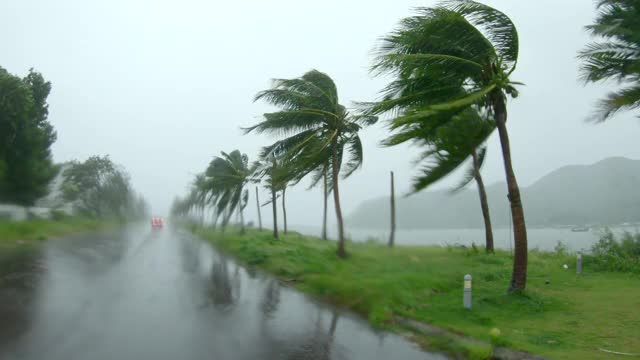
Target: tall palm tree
(616, 56)
(448, 59)
(228, 175)
(321, 175)
(477, 160)
(316, 129)
(279, 173)
(457, 139)
(201, 189)
(270, 169)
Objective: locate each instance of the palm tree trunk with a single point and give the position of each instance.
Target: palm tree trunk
(324, 211)
(519, 274)
(336, 200)
(284, 210)
(392, 235)
(241, 220)
(275, 212)
(258, 207)
(225, 219)
(483, 204)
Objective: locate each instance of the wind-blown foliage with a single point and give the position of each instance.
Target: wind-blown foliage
(314, 130)
(450, 63)
(99, 188)
(448, 146)
(615, 55)
(227, 176)
(276, 175)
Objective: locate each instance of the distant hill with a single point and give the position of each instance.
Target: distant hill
(607, 192)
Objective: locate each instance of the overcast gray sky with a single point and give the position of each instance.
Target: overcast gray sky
(163, 86)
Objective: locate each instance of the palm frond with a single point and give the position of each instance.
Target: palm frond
(470, 173)
(466, 101)
(616, 55)
(624, 99)
(356, 157)
(284, 123)
(449, 143)
(434, 31)
(610, 60)
(391, 62)
(497, 26)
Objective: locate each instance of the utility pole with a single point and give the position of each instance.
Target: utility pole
(392, 235)
(259, 215)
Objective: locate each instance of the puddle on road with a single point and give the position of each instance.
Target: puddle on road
(143, 295)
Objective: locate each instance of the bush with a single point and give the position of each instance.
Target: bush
(58, 215)
(610, 254)
(561, 249)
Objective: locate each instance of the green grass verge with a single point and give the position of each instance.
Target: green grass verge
(571, 317)
(21, 240)
(13, 233)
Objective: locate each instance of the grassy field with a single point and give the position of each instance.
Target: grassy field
(20, 240)
(562, 315)
(13, 232)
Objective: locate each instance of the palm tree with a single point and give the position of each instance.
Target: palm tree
(228, 174)
(321, 175)
(277, 170)
(316, 130)
(200, 189)
(457, 139)
(616, 56)
(449, 59)
(477, 160)
(269, 169)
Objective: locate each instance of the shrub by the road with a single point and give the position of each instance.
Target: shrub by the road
(620, 254)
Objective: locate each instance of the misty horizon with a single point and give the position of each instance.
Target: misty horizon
(164, 87)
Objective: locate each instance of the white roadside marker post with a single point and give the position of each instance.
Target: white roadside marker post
(467, 292)
(579, 264)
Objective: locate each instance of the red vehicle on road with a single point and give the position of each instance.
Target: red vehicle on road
(157, 223)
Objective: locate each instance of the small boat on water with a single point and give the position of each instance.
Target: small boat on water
(580, 229)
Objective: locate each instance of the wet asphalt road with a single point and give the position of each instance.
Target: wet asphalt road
(139, 294)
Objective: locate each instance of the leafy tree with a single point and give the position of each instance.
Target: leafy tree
(99, 188)
(26, 136)
(446, 60)
(615, 55)
(316, 130)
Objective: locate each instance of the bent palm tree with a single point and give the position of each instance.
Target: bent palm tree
(449, 59)
(321, 174)
(616, 56)
(316, 130)
(201, 189)
(228, 176)
(276, 178)
(449, 145)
